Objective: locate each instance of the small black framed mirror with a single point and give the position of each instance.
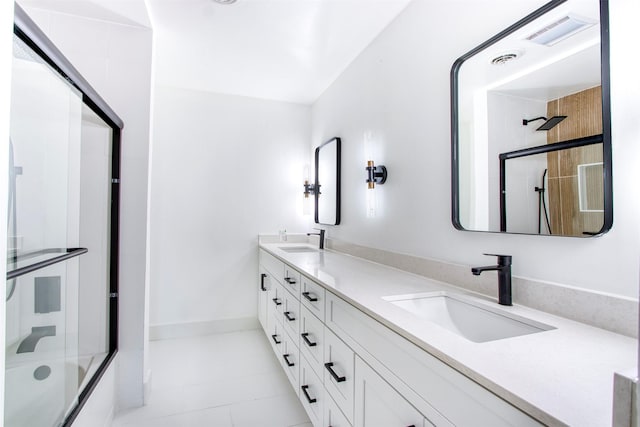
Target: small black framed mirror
(327, 185)
(531, 126)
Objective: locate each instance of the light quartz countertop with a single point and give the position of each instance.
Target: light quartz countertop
(562, 376)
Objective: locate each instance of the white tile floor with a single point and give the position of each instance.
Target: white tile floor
(225, 380)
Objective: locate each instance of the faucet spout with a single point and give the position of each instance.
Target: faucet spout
(504, 277)
(477, 270)
(320, 234)
(28, 345)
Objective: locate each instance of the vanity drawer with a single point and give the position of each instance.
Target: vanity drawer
(338, 374)
(291, 280)
(275, 333)
(377, 403)
(312, 394)
(272, 264)
(312, 296)
(290, 360)
(291, 314)
(333, 416)
(312, 340)
(275, 298)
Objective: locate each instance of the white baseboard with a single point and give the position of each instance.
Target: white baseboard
(193, 329)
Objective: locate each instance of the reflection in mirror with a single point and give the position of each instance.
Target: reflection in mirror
(531, 147)
(328, 183)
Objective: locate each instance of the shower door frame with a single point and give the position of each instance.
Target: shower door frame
(541, 149)
(26, 30)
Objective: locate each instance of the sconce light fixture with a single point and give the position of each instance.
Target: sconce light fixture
(375, 174)
(309, 189)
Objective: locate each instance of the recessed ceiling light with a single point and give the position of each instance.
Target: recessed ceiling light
(506, 57)
(225, 1)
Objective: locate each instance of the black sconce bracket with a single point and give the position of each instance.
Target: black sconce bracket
(375, 174)
(311, 189)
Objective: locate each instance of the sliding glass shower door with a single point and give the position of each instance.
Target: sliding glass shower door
(61, 287)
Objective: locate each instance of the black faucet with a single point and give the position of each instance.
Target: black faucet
(321, 234)
(504, 277)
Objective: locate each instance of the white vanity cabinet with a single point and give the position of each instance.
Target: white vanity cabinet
(349, 370)
(378, 404)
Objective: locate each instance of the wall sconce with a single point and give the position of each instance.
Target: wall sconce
(375, 174)
(309, 189)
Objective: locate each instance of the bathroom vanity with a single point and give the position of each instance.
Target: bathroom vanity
(365, 345)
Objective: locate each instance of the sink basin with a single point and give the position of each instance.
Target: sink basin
(467, 317)
(295, 249)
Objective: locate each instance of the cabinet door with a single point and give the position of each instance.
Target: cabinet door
(264, 284)
(275, 333)
(312, 297)
(378, 404)
(338, 372)
(333, 417)
(312, 392)
(275, 298)
(292, 280)
(290, 360)
(291, 314)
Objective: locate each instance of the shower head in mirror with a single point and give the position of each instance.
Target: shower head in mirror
(548, 123)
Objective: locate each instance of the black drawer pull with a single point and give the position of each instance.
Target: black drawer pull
(306, 394)
(276, 301)
(275, 339)
(310, 298)
(262, 277)
(305, 337)
(289, 318)
(289, 280)
(286, 359)
(335, 376)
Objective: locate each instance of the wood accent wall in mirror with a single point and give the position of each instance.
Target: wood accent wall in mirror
(327, 185)
(531, 132)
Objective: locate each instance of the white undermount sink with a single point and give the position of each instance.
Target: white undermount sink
(467, 317)
(296, 249)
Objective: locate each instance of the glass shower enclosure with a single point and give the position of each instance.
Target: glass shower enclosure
(62, 235)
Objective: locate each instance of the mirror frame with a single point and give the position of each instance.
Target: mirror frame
(606, 116)
(338, 143)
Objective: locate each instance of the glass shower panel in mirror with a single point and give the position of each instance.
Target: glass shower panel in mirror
(59, 240)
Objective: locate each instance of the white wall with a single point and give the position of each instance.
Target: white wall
(116, 60)
(225, 168)
(399, 88)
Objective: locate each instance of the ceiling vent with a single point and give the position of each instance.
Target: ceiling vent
(559, 30)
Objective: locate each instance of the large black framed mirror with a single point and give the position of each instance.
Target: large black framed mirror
(327, 185)
(531, 127)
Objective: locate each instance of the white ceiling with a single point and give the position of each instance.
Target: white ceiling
(288, 50)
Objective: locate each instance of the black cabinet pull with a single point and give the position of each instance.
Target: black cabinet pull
(289, 318)
(335, 376)
(286, 359)
(275, 339)
(262, 277)
(308, 297)
(289, 280)
(305, 337)
(276, 301)
(306, 394)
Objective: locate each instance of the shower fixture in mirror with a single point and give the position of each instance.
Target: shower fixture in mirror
(531, 137)
(327, 185)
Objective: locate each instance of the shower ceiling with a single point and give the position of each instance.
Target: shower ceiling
(288, 50)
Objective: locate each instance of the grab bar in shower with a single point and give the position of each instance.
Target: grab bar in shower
(67, 253)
